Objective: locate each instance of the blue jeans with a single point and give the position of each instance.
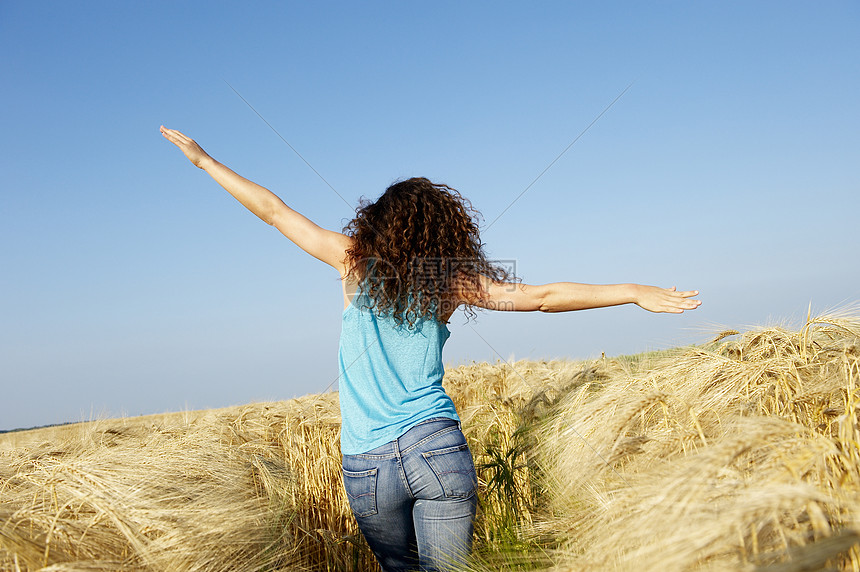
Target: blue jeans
(415, 498)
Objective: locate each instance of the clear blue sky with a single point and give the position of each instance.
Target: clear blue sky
(131, 283)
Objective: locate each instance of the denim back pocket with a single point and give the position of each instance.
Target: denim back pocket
(455, 470)
(361, 491)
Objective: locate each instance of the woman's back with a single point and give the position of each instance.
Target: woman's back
(390, 376)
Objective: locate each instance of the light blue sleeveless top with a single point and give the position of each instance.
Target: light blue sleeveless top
(390, 377)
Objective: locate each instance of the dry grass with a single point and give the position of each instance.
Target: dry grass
(738, 455)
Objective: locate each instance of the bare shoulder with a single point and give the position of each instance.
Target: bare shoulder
(330, 247)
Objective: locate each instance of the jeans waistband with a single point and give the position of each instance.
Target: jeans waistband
(414, 435)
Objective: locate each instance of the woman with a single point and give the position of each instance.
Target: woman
(406, 262)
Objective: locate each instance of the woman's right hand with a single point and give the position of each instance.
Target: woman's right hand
(187, 145)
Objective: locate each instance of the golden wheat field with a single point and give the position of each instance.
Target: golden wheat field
(742, 453)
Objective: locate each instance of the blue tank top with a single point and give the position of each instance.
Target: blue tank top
(390, 377)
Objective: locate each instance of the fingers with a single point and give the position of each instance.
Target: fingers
(686, 305)
(175, 136)
(677, 302)
(657, 299)
(170, 134)
(675, 294)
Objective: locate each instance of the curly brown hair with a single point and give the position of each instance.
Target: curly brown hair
(411, 244)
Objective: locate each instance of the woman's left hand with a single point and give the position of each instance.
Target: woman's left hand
(656, 299)
(187, 145)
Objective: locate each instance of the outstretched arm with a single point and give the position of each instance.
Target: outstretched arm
(568, 296)
(326, 245)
